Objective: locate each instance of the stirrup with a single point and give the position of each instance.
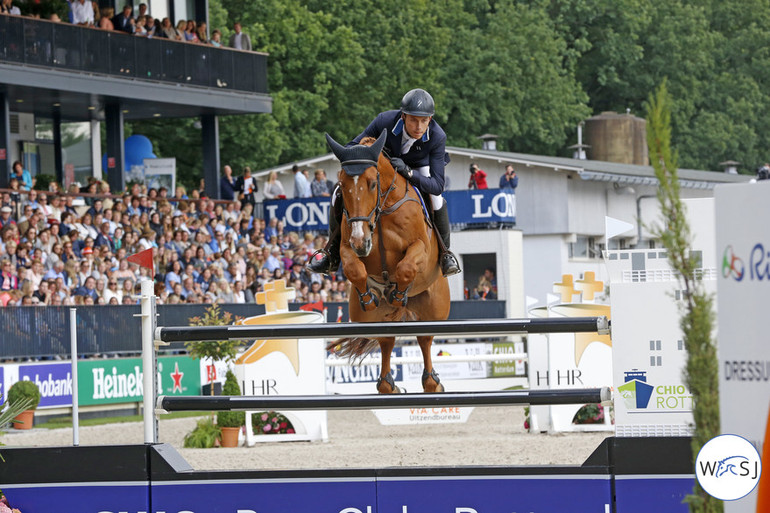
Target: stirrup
(327, 264)
(449, 264)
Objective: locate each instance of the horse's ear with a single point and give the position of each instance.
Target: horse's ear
(380, 143)
(336, 147)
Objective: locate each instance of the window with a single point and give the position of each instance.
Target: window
(585, 247)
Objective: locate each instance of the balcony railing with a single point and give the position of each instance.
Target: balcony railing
(75, 48)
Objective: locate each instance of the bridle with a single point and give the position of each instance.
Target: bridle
(373, 217)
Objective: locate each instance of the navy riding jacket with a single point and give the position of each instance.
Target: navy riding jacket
(430, 150)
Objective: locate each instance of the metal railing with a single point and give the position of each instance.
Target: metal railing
(64, 46)
(44, 331)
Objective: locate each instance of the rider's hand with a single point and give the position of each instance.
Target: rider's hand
(401, 167)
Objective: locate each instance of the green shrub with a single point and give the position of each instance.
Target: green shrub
(231, 418)
(24, 391)
(204, 436)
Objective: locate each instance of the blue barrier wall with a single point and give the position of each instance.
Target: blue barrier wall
(625, 475)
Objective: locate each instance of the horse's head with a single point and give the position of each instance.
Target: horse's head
(360, 186)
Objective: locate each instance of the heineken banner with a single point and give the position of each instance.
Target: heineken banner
(120, 380)
(465, 207)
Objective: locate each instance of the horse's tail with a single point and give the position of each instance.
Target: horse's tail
(353, 348)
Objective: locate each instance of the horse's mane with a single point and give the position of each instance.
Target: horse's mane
(368, 141)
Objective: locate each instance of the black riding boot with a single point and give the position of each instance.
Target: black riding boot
(449, 264)
(330, 255)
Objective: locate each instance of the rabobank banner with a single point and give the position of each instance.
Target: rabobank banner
(54, 381)
(465, 207)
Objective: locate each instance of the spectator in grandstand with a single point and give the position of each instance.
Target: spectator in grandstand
(301, 184)
(141, 10)
(227, 184)
(5, 216)
(191, 32)
(82, 12)
(169, 31)
(124, 21)
(152, 26)
(23, 176)
(320, 186)
(247, 188)
(240, 40)
(105, 22)
(88, 288)
(273, 187)
(216, 38)
(8, 278)
(140, 26)
(7, 7)
(478, 179)
(203, 33)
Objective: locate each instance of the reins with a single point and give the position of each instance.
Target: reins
(374, 216)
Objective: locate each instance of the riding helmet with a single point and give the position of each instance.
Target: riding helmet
(418, 102)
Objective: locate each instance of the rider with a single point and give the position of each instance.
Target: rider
(416, 145)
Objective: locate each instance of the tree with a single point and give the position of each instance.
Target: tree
(697, 317)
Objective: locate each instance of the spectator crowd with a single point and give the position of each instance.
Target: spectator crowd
(72, 249)
(140, 23)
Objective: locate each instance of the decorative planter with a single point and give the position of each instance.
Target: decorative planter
(24, 420)
(230, 436)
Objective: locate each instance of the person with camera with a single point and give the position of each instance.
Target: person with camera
(478, 179)
(509, 180)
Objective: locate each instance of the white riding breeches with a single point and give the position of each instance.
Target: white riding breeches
(437, 201)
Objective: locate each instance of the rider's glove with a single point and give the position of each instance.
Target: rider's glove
(401, 167)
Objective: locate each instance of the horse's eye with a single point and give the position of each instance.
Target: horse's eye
(372, 186)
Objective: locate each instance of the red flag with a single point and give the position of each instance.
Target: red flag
(339, 314)
(143, 259)
(317, 306)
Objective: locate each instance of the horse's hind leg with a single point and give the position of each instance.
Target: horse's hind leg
(430, 381)
(386, 385)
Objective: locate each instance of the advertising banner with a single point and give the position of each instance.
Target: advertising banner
(510, 367)
(743, 293)
(54, 381)
(120, 380)
(465, 207)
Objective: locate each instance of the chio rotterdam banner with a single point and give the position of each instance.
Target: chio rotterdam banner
(465, 207)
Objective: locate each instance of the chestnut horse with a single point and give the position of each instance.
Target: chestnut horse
(390, 254)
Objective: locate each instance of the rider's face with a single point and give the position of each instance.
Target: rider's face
(416, 125)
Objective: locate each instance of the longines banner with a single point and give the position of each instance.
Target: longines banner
(121, 380)
(465, 207)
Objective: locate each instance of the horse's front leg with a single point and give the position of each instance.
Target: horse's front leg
(386, 384)
(355, 271)
(430, 381)
(414, 262)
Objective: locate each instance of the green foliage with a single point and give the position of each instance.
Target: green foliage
(9, 411)
(204, 436)
(26, 392)
(222, 350)
(526, 71)
(43, 181)
(231, 418)
(697, 318)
